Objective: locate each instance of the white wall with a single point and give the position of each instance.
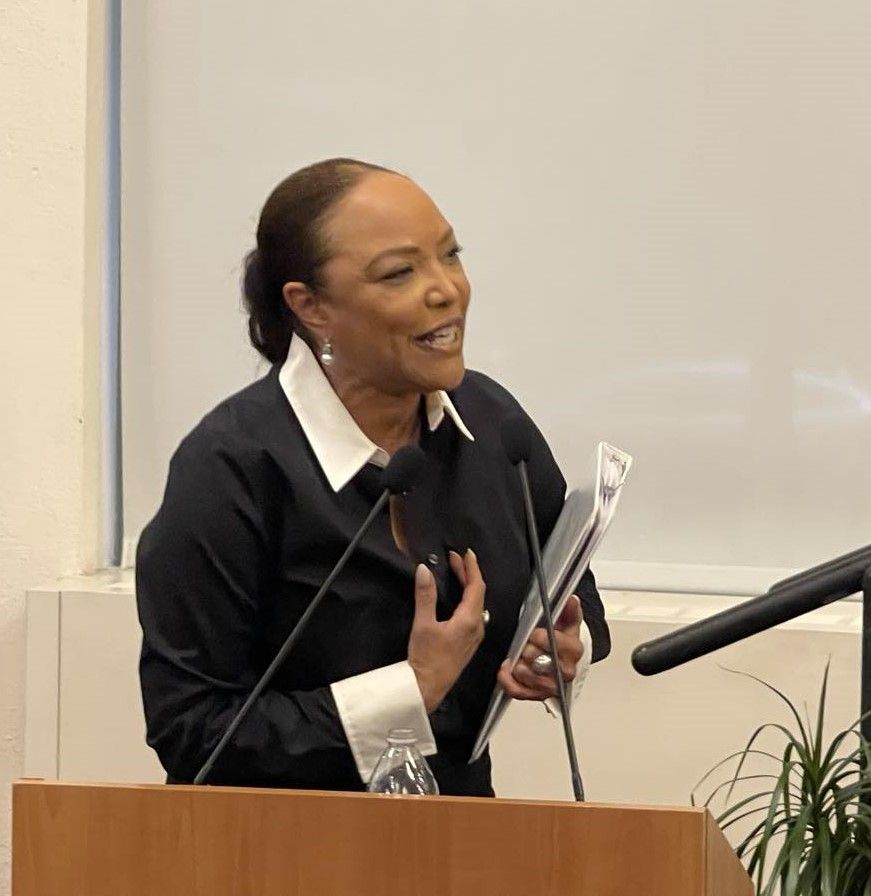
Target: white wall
(51, 97)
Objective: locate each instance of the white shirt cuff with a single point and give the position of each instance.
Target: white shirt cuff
(573, 688)
(372, 703)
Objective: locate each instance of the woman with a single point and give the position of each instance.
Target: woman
(357, 297)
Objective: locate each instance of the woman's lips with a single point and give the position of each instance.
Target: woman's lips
(445, 335)
(443, 338)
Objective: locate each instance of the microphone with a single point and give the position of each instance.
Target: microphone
(399, 477)
(517, 442)
(786, 599)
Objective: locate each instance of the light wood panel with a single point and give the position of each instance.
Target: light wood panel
(720, 879)
(104, 840)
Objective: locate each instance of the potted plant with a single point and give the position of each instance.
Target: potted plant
(810, 823)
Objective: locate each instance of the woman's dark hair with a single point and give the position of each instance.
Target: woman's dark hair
(291, 247)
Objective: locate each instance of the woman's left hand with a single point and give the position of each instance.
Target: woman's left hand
(522, 683)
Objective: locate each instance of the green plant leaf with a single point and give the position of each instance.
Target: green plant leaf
(769, 829)
(812, 833)
(799, 747)
(725, 817)
(836, 743)
(801, 727)
(723, 762)
(731, 783)
(821, 712)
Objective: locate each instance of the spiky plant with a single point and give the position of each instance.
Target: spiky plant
(810, 827)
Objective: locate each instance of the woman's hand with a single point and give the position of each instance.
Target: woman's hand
(439, 651)
(524, 684)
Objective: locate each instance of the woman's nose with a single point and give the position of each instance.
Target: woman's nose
(442, 290)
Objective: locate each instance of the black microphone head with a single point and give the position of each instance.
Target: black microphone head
(644, 662)
(517, 437)
(403, 471)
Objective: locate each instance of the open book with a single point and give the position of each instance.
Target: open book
(578, 531)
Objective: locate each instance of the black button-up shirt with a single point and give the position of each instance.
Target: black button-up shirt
(248, 529)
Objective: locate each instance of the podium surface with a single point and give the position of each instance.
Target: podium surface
(131, 840)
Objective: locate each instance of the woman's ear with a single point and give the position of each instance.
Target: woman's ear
(306, 305)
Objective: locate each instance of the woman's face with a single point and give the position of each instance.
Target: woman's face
(394, 295)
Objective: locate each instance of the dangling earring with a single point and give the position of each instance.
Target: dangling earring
(327, 353)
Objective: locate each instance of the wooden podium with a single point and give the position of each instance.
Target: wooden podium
(126, 840)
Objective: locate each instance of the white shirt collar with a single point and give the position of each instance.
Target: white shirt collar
(340, 446)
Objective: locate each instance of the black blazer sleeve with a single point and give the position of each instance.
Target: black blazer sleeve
(201, 566)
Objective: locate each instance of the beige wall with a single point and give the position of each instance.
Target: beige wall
(51, 97)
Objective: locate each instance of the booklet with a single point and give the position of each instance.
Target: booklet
(578, 531)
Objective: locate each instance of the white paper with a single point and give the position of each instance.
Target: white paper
(577, 534)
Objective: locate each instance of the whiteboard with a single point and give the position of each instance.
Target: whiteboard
(666, 215)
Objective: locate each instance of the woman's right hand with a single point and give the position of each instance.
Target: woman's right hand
(439, 651)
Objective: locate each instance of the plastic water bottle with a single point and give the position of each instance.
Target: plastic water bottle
(402, 768)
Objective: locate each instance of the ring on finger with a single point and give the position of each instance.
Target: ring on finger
(542, 664)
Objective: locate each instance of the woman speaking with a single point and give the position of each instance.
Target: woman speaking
(357, 297)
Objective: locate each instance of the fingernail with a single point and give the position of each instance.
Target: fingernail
(474, 555)
(422, 576)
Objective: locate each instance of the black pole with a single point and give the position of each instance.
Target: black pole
(289, 643)
(565, 709)
(785, 600)
(865, 684)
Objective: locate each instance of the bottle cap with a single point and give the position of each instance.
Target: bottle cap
(401, 737)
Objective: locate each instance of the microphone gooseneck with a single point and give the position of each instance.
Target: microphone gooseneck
(399, 477)
(517, 442)
(784, 600)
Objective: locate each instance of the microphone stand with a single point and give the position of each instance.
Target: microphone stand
(398, 478)
(785, 600)
(289, 643)
(532, 531)
(866, 656)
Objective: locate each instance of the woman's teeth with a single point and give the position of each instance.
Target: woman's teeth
(442, 338)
